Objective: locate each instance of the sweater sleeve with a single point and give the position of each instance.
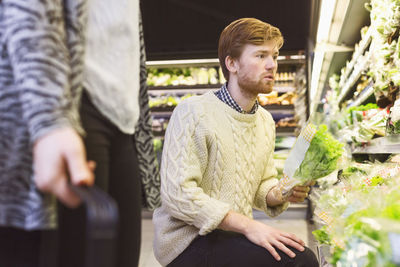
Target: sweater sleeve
(269, 180)
(184, 161)
(36, 44)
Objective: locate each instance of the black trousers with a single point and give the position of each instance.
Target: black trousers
(116, 173)
(229, 249)
(19, 248)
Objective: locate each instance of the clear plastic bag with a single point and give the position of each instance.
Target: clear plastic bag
(315, 154)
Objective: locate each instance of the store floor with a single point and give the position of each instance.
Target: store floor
(293, 220)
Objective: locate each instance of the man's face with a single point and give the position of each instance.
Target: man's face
(257, 68)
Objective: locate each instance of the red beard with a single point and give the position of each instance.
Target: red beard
(260, 86)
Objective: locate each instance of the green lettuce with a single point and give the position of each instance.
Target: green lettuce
(321, 157)
(322, 236)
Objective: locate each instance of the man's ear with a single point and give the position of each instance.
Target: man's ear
(231, 64)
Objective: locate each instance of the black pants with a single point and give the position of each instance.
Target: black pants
(22, 248)
(19, 248)
(229, 249)
(117, 173)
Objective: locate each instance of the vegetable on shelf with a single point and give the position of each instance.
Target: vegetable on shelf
(360, 214)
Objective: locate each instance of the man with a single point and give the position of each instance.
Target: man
(217, 165)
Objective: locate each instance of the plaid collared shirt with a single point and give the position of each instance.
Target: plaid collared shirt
(224, 96)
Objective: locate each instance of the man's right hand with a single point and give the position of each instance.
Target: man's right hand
(262, 234)
(271, 238)
(60, 157)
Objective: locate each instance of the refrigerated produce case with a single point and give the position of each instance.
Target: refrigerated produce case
(358, 107)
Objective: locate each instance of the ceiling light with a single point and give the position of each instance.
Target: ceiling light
(324, 25)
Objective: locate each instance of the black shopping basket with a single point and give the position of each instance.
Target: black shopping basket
(101, 226)
(87, 234)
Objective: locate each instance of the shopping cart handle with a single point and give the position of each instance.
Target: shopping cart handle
(101, 226)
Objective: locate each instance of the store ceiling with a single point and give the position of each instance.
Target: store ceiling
(176, 29)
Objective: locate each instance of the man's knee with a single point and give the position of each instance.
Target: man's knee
(306, 258)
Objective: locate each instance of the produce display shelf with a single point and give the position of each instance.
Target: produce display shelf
(364, 95)
(363, 45)
(162, 109)
(272, 108)
(285, 131)
(214, 62)
(280, 111)
(184, 87)
(204, 62)
(278, 107)
(381, 145)
(203, 88)
(280, 131)
(322, 251)
(284, 89)
(353, 79)
(323, 255)
(159, 133)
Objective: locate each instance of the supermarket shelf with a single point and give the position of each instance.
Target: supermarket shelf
(322, 250)
(280, 131)
(280, 111)
(294, 211)
(184, 87)
(214, 62)
(285, 109)
(159, 133)
(349, 84)
(302, 205)
(285, 131)
(381, 145)
(362, 46)
(276, 107)
(206, 62)
(162, 109)
(203, 88)
(364, 95)
(284, 89)
(323, 255)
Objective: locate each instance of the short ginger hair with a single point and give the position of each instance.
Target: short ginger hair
(241, 32)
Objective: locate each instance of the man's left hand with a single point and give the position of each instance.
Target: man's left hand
(299, 193)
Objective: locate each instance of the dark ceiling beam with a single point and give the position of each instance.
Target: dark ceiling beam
(206, 11)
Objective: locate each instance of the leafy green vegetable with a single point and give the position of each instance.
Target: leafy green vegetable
(369, 244)
(321, 157)
(351, 170)
(397, 127)
(392, 212)
(350, 111)
(322, 236)
(377, 180)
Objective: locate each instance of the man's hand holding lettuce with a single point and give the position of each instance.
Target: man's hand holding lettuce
(314, 155)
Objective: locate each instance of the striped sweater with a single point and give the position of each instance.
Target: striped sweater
(41, 66)
(41, 52)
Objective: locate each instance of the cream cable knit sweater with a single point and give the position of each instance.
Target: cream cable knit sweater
(215, 159)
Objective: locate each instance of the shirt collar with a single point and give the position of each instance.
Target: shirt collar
(224, 95)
